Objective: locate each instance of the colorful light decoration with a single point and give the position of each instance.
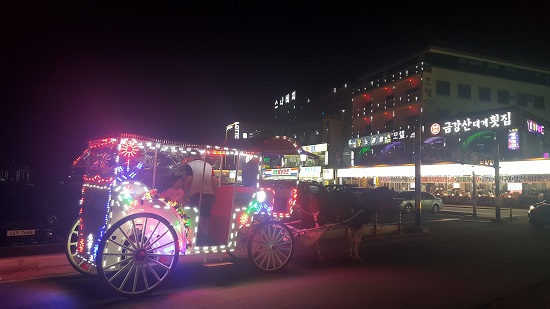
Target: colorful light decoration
(90, 242)
(81, 245)
(129, 149)
(97, 180)
(260, 202)
(126, 196)
(92, 149)
(102, 160)
(126, 173)
(243, 219)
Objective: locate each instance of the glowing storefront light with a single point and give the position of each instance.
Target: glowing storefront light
(506, 168)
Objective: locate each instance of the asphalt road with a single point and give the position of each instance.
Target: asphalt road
(457, 262)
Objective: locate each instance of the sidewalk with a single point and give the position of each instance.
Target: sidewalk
(33, 261)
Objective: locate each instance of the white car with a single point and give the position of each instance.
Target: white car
(428, 201)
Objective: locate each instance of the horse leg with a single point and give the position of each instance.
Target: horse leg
(355, 242)
(316, 248)
(351, 243)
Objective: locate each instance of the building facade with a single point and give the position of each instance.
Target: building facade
(473, 101)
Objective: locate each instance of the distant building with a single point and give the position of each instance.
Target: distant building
(11, 173)
(467, 101)
(322, 122)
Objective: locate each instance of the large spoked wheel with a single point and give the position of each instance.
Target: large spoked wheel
(137, 254)
(270, 246)
(77, 262)
(241, 244)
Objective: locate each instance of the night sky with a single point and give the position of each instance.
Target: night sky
(183, 70)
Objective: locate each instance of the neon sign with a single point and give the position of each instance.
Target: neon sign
(281, 173)
(379, 139)
(535, 127)
(286, 99)
(466, 124)
(371, 140)
(513, 139)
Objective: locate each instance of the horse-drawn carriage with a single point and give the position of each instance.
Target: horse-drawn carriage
(132, 239)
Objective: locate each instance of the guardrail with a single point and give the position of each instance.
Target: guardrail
(514, 202)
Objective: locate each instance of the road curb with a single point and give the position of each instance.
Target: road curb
(32, 262)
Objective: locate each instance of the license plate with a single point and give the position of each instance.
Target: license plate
(21, 232)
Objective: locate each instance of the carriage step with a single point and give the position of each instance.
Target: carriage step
(215, 264)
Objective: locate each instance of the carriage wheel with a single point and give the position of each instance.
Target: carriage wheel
(241, 244)
(137, 254)
(78, 263)
(270, 246)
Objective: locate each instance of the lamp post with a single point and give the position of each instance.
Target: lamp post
(474, 194)
(417, 173)
(497, 181)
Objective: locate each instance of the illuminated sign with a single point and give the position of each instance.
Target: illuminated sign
(237, 134)
(372, 140)
(328, 173)
(466, 124)
(235, 127)
(401, 134)
(316, 148)
(310, 172)
(513, 139)
(281, 173)
(378, 139)
(535, 127)
(286, 99)
(435, 128)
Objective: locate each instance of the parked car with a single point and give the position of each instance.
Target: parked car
(26, 217)
(406, 200)
(539, 214)
(332, 188)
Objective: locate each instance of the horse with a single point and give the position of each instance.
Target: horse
(353, 208)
